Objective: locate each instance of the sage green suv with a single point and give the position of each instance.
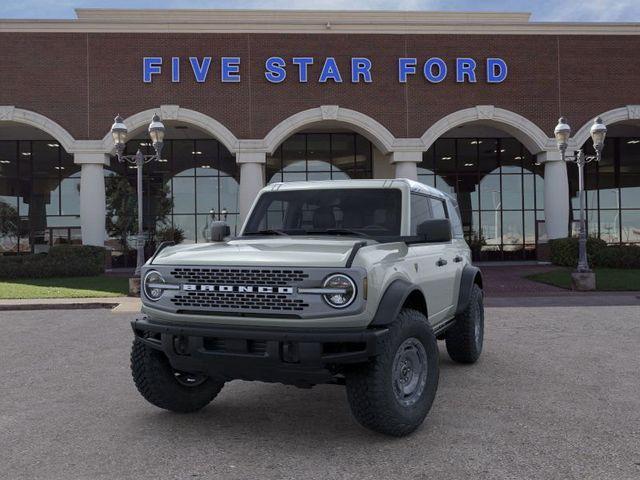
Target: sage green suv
(346, 282)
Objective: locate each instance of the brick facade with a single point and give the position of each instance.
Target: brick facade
(80, 80)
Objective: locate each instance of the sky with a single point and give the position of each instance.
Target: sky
(542, 10)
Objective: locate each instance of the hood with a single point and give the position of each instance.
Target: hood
(264, 251)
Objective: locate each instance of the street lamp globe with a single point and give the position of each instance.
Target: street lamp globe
(156, 132)
(562, 133)
(598, 133)
(119, 133)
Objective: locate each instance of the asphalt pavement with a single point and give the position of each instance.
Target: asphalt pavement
(556, 395)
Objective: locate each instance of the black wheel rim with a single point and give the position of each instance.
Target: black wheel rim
(189, 379)
(409, 372)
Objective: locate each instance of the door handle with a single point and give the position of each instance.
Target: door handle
(457, 259)
(441, 262)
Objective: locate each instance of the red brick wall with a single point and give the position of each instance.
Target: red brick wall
(82, 80)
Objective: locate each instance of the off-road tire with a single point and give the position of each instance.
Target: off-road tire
(465, 337)
(370, 386)
(155, 380)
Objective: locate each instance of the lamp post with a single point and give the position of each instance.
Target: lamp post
(119, 133)
(562, 133)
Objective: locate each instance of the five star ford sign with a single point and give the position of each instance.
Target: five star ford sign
(361, 69)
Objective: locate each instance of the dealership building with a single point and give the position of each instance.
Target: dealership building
(465, 102)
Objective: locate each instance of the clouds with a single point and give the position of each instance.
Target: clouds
(543, 10)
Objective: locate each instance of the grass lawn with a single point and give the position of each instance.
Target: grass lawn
(607, 279)
(72, 287)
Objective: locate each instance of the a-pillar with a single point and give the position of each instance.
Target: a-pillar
(92, 196)
(251, 179)
(556, 194)
(406, 164)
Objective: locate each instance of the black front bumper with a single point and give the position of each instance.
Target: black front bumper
(298, 357)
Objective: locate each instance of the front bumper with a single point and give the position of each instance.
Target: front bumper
(290, 356)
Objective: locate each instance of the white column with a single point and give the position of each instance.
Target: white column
(251, 179)
(556, 194)
(406, 164)
(92, 197)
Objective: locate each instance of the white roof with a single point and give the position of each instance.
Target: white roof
(375, 183)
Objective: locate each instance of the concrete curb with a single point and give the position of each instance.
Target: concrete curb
(55, 306)
(113, 303)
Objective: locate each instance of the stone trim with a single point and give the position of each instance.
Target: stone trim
(177, 113)
(318, 22)
(10, 113)
(531, 136)
(382, 138)
(629, 112)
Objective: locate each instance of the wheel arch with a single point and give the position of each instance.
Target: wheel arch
(398, 295)
(470, 276)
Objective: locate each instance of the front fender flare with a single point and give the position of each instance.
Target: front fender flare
(470, 275)
(391, 302)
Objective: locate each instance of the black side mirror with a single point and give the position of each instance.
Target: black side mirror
(219, 230)
(435, 230)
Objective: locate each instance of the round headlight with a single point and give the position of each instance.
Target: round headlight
(344, 291)
(151, 281)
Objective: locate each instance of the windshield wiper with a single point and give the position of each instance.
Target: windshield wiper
(267, 232)
(339, 231)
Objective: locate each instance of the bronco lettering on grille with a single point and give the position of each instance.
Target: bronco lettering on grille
(237, 289)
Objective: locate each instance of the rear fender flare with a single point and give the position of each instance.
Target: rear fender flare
(470, 276)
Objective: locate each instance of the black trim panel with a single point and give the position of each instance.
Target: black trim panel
(468, 278)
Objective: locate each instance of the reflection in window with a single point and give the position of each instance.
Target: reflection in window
(499, 189)
(200, 177)
(612, 188)
(39, 196)
(320, 156)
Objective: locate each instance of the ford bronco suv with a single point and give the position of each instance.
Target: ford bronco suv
(346, 282)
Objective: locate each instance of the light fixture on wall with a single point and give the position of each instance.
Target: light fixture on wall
(119, 134)
(562, 133)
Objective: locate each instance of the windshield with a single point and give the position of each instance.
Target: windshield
(365, 212)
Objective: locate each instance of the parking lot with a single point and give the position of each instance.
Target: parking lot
(556, 394)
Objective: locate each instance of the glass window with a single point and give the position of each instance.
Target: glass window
(512, 192)
(372, 212)
(437, 208)
(294, 154)
(630, 222)
(420, 211)
(467, 156)
(319, 153)
(182, 157)
(187, 223)
(511, 155)
(8, 159)
(488, 149)
(445, 158)
(512, 229)
(610, 226)
(320, 156)
(427, 164)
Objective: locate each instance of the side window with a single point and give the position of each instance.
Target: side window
(420, 211)
(437, 206)
(454, 215)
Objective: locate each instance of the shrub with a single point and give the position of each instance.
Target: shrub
(170, 234)
(61, 261)
(618, 256)
(564, 251)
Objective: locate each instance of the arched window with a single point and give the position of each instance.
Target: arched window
(499, 189)
(199, 176)
(39, 196)
(321, 156)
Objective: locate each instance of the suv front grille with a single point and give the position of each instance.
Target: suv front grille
(237, 276)
(238, 301)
